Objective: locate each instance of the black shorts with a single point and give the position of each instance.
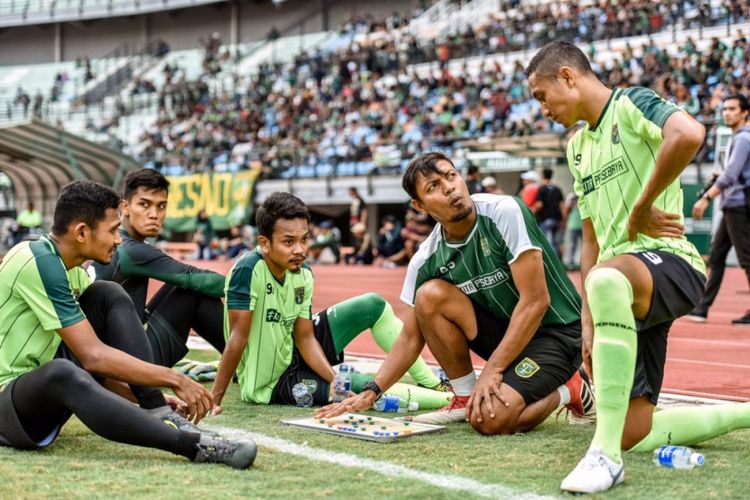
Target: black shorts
(678, 288)
(548, 361)
(298, 370)
(13, 433)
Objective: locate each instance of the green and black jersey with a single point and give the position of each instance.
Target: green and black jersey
(276, 306)
(136, 262)
(37, 297)
(612, 163)
(479, 265)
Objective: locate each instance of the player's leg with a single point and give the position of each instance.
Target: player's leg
(720, 247)
(738, 220)
(37, 404)
(371, 311)
(113, 317)
(173, 312)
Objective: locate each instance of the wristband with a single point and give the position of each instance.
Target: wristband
(374, 387)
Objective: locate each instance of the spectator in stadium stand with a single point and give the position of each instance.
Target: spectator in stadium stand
(473, 180)
(529, 187)
(390, 243)
(548, 209)
(357, 208)
(489, 184)
(362, 246)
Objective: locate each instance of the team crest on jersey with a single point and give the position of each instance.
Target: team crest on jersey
(526, 368)
(484, 244)
(615, 134)
(299, 294)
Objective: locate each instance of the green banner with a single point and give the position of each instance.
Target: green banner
(227, 197)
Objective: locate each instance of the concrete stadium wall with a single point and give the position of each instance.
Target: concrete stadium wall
(181, 29)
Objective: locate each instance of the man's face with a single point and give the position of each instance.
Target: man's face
(556, 96)
(100, 242)
(733, 115)
(288, 245)
(444, 195)
(145, 211)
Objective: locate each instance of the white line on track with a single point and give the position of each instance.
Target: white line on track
(449, 482)
(707, 363)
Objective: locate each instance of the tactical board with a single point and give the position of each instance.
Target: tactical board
(378, 429)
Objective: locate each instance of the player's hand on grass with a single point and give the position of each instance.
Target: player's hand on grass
(355, 403)
(197, 398)
(489, 383)
(653, 222)
(177, 405)
(217, 409)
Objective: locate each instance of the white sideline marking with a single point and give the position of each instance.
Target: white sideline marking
(450, 482)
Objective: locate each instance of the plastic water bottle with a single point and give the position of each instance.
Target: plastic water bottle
(677, 457)
(390, 403)
(342, 384)
(302, 395)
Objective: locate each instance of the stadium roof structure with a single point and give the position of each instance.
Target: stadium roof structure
(40, 158)
(529, 146)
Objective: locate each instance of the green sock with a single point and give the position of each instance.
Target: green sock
(353, 316)
(359, 380)
(691, 425)
(610, 298)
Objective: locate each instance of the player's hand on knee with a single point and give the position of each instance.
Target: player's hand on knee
(488, 384)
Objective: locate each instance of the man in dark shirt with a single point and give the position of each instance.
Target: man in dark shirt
(548, 209)
(473, 180)
(190, 297)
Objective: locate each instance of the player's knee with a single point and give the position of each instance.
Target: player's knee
(607, 282)
(374, 302)
(633, 436)
(63, 374)
(109, 292)
(430, 296)
(501, 424)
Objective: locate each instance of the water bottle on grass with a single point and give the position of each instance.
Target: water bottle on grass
(342, 384)
(302, 395)
(677, 457)
(391, 403)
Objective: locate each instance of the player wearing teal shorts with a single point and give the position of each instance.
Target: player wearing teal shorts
(640, 272)
(273, 339)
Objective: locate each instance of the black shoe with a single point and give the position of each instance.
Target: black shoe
(236, 454)
(180, 423)
(743, 321)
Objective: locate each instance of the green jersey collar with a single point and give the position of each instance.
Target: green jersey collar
(604, 111)
(467, 238)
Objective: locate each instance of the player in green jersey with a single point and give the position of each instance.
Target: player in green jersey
(190, 297)
(486, 280)
(60, 338)
(273, 339)
(640, 272)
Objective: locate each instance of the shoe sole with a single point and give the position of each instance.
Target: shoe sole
(430, 418)
(697, 319)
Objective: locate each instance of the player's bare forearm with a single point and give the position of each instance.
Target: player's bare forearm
(524, 322)
(309, 348)
(239, 324)
(683, 136)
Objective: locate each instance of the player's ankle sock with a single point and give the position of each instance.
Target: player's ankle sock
(564, 393)
(464, 385)
(385, 331)
(359, 380)
(610, 298)
(691, 425)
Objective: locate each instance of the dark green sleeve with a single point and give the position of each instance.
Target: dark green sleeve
(239, 293)
(140, 259)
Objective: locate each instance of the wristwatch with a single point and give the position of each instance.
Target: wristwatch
(374, 387)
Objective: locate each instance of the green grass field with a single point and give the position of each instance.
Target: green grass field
(80, 464)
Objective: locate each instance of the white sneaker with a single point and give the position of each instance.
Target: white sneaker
(454, 412)
(594, 473)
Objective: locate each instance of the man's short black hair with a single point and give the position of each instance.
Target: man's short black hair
(146, 178)
(547, 173)
(741, 99)
(279, 206)
(83, 201)
(424, 165)
(553, 56)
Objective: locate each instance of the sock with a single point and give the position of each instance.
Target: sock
(358, 380)
(564, 393)
(610, 299)
(464, 385)
(690, 425)
(371, 311)
(426, 398)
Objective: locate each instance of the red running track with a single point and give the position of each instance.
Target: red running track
(705, 360)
